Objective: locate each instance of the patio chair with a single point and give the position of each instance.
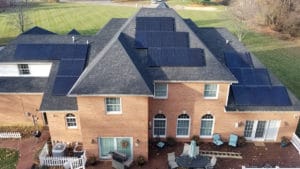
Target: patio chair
(185, 151)
(173, 165)
(197, 150)
(217, 139)
(212, 163)
(233, 139)
(171, 156)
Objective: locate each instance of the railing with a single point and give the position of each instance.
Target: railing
(10, 135)
(296, 142)
(71, 162)
(243, 167)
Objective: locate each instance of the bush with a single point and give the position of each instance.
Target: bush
(92, 160)
(140, 160)
(26, 131)
(171, 141)
(242, 141)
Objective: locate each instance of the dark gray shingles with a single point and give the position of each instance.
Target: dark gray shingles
(114, 73)
(23, 84)
(73, 32)
(56, 103)
(38, 31)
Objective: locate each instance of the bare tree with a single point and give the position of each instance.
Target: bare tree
(19, 19)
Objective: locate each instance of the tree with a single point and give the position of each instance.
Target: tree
(19, 19)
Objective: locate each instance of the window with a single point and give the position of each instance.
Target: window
(211, 91)
(183, 125)
(23, 69)
(206, 129)
(110, 144)
(71, 121)
(248, 128)
(160, 90)
(113, 105)
(159, 125)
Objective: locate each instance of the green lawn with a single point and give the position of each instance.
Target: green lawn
(281, 57)
(8, 158)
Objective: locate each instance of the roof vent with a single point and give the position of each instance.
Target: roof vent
(73, 39)
(227, 41)
(87, 42)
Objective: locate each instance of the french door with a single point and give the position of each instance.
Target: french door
(261, 130)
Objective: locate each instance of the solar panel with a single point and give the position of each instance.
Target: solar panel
(175, 57)
(62, 85)
(161, 39)
(51, 51)
(234, 60)
(261, 95)
(251, 76)
(161, 24)
(70, 67)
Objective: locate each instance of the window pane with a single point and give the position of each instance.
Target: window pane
(182, 127)
(160, 90)
(206, 127)
(107, 146)
(260, 129)
(121, 146)
(210, 90)
(159, 127)
(113, 104)
(248, 128)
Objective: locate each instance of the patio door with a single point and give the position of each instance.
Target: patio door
(259, 130)
(110, 144)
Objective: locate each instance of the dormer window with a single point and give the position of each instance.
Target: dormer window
(23, 69)
(161, 90)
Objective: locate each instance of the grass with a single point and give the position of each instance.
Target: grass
(281, 57)
(8, 158)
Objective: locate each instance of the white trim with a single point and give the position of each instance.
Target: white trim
(212, 127)
(20, 93)
(163, 136)
(263, 138)
(227, 96)
(208, 97)
(113, 112)
(73, 117)
(161, 97)
(183, 136)
(194, 81)
(115, 146)
(107, 95)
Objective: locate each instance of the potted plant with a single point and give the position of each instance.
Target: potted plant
(78, 150)
(140, 161)
(284, 141)
(171, 141)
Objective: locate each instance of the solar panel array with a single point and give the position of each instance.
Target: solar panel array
(175, 57)
(72, 61)
(251, 76)
(161, 39)
(236, 60)
(50, 51)
(261, 95)
(254, 87)
(161, 24)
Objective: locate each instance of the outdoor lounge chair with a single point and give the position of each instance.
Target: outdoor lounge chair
(185, 151)
(217, 139)
(171, 160)
(212, 163)
(233, 139)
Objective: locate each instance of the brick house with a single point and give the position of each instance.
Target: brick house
(152, 75)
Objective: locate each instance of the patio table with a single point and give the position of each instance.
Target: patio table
(188, 162)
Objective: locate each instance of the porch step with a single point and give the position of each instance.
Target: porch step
(220, 154)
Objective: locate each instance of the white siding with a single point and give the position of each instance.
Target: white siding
(36, 69)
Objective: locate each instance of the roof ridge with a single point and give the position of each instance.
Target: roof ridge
(101, 54)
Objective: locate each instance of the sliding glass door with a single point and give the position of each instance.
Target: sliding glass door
(110, 144)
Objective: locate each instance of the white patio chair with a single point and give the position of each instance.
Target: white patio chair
(171, 156)
(212, 163)
(185, 151)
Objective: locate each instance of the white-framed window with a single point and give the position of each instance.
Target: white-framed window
(119, 144)
(183, 126)
(71, 120)
(206, 126)
(23, 69)
(159, 125)
(161, 90)
(211, 91)
(113, 105)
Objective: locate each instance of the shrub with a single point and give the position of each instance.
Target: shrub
(92, 160)
(242, 141)
(140, 160)
(171, 141)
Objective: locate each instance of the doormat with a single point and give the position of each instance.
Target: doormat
(259, 144)
(220, 154)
